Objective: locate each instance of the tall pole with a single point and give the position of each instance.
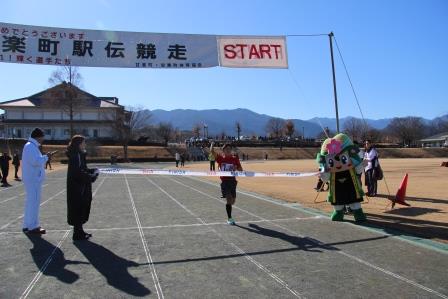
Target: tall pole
(330, 36)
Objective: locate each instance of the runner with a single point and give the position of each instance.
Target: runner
(228, 162)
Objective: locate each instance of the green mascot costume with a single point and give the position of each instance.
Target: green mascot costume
(339, 164)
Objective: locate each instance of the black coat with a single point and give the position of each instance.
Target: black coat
(79, 189)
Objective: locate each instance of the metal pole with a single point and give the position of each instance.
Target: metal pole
(330, 36)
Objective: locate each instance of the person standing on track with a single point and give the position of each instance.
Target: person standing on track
(228, 162)
(33, 175)
(79, 187)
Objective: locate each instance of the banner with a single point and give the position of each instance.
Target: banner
(98, 48)
(176, 172)
(250, 51)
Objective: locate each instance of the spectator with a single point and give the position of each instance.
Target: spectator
(16, 163)
(177, 158)
(212, 159)
(371, 158)
(4, 165)
(182, 160)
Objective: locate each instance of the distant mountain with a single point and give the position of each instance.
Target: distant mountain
(252, 123)
(219, 121)
(375, 123)
(331, 122)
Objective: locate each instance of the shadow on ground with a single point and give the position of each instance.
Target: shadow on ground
(300, 244)
(42, 250)
(113, 267)
(411, 198)
(401, 226)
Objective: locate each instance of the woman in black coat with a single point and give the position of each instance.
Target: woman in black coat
(79, 187)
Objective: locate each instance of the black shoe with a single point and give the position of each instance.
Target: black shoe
(37, 231)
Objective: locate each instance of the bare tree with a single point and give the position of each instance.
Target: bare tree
(127, 123)
(68, 97)
(407, 129)
(326, 133)
(372, 134)
(275, 126)
(289, 128)
(166, 132)
(197, 130)
(70, 74)
(238, 130)
(356, 128)
(438, 125)
(223, 135)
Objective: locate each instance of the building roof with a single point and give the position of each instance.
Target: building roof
(438, 137)
(59, 92)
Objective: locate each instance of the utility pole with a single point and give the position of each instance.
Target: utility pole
(330, 36)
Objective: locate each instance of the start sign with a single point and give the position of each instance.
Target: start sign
(265, 52)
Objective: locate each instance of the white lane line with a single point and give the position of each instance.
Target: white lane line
(359, 260)
(21, 194)
(54, 196)
(11, 198)
(9, 188)
(50, 258)
(235, 247)
(20, 217)
(44, 267)
(145, 245)
(176, 225)
(98, 187)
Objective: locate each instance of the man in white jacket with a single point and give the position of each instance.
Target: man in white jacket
(33, 175)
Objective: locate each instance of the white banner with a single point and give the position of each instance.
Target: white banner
(176, 172)
(97, 48)
(100, 48)
(250, 51)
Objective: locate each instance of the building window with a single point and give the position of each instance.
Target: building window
(66, 132)
(95, 133)
(47, 132)
(85, 132)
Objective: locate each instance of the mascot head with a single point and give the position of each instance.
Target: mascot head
(338, 154)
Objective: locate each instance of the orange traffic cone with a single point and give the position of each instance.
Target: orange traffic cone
(401, 193)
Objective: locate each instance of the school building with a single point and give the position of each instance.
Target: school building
(50, 110)
(439, 140)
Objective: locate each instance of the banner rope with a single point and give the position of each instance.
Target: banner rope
(175, 172)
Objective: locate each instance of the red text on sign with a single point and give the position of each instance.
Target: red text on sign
(253, 51)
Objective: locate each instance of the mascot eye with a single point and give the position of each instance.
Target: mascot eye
(330, 162)
(344, 159)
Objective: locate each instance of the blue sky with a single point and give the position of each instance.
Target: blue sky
(396, 53)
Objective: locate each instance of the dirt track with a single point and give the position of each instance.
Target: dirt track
(427, 217)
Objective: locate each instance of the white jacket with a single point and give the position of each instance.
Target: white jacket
(370, 156)
(33, 163)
